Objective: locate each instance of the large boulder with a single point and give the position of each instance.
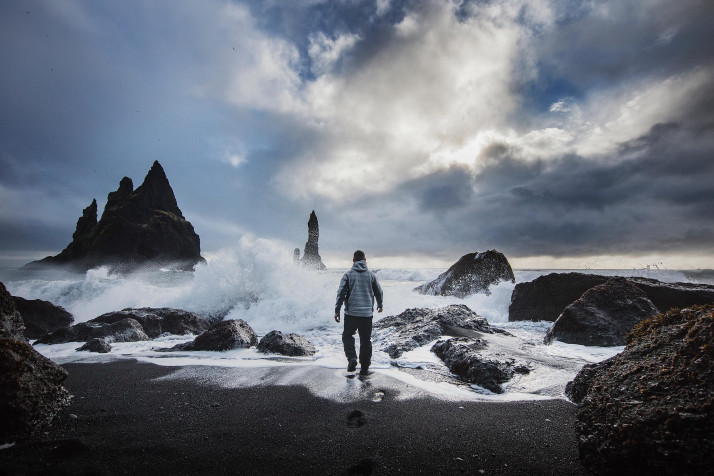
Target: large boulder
(545, 298)
(650, 409)
(417, 327)
(138, 227)
(311, 257)
(472, 273)
(124, 330)
(11, 324)
(41, 317)
(462, 356)
(293, 345)
(224, 335)
(31, 391)
(603, 315)
(157, 321)
(98, 344)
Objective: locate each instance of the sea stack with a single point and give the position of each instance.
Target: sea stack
(138, 228)
(311, 256)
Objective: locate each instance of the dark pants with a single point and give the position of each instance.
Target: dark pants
(363, 325)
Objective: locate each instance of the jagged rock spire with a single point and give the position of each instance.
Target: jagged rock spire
(311, 256)
(137, 227)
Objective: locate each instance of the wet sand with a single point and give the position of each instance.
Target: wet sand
(123, 420)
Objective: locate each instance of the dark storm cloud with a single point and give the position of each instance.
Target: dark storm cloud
(443, 190)
(656, 196)
(255, 129)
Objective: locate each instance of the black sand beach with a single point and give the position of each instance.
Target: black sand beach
(122, 421)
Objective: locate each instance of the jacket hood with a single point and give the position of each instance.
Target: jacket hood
(360, 266)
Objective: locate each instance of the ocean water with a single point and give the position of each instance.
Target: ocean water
(256, 281)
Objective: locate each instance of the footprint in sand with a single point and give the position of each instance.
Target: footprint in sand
(356, 419)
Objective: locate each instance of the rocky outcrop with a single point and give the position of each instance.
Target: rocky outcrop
(462, 357)
(416, 327)
(545, 298)
(603, 315)
(11, 324)
(472, 273)
(311, 257)
(41, 317)
(31, 391)
(293, 345)
(224, 335)
(157, 321)
(99, 345)
(124, 330)
(138, 227)
(650, 408)
(675, 295)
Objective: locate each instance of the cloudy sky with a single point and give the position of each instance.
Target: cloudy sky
(564, 133)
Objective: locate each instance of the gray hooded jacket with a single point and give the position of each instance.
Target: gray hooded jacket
(358, 288)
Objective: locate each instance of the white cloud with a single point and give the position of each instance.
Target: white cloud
(325, 52)
(258, 71)
(430, 89)
(625, 112)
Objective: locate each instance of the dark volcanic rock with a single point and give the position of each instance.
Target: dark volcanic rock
(41, 317)
(603, 315)
(31, 391)
(311, 256)
(650, 409)
(124, 330)
(11, 325)
(224, 335)
(138, 227)
(472, 273)
(545, 298)
(97, 344)
(462, 357)
(285, 344)
(157, 321)
(675, 295)
(416, 327)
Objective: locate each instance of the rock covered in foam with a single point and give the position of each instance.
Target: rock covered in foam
(650, 409)
(224, 335)
(124, 330)
(286, 344)
(472, 273)
(603, 315)
(418, 326)
(462, 356)
(99, 345)
(157, 321)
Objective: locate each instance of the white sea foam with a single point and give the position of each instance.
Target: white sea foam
(257, 281)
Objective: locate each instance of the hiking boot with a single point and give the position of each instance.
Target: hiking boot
(352, 366)
(364, 371)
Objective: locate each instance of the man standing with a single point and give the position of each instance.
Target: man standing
(358, 288)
